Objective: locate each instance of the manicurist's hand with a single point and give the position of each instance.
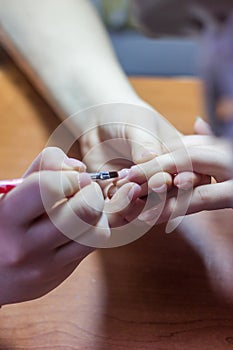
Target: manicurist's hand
(40, 221)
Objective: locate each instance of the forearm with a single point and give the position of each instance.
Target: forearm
(67, 47)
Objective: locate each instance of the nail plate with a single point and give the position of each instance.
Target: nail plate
(160, 189)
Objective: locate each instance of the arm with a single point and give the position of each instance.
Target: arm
(67, 47)
(64, 48)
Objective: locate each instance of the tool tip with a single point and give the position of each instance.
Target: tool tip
(113, 174)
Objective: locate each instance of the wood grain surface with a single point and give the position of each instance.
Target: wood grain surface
(156, 293)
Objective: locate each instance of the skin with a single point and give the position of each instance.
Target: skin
(35, 256)
(71, 82)
(209, 156)
(78, 83)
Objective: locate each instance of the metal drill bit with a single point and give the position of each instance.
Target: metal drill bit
(104, 175)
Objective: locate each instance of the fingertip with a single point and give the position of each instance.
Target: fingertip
(160, 182)
(73, 164)
(136, 174)
(201, 127)
(184, 180)
(134, 192)
(123, 173)
(89, 203)
(188, 180)
(84, 179)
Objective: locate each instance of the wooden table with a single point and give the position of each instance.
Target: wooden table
(152, 294)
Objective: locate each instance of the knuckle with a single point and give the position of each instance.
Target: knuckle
(203, 196)
(15, 256)
(53, 185)
(39, 274)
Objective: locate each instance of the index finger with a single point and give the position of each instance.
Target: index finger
(172, 163)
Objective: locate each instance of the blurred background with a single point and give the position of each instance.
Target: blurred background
(145, 56)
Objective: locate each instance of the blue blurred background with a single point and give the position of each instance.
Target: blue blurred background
(139, 55)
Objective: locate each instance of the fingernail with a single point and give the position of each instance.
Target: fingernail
(135, 172)
(83, 179)
(76, 164)
(160, 189)
(134, 192)
(147, 155)
(123, 173)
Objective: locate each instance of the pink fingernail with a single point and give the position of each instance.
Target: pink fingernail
(83, 179)
(75, 164)
(135, 172)
(160, 189)
(123, 173)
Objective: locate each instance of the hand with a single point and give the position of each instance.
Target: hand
(117, 135)
(35, 256)
(120, 135)
(208, 156)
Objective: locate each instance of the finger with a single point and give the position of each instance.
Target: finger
(188, 180)
(205, 161)
(211, 197)
(206, 197)
(160, 182)
(211, 162)
(201, 127)
(170, 163)
(120, 205)
(40, 192)
(155, 203)
(71, 219)
(122, 198)
(114, 187)
(53, 158)
(135, 210)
